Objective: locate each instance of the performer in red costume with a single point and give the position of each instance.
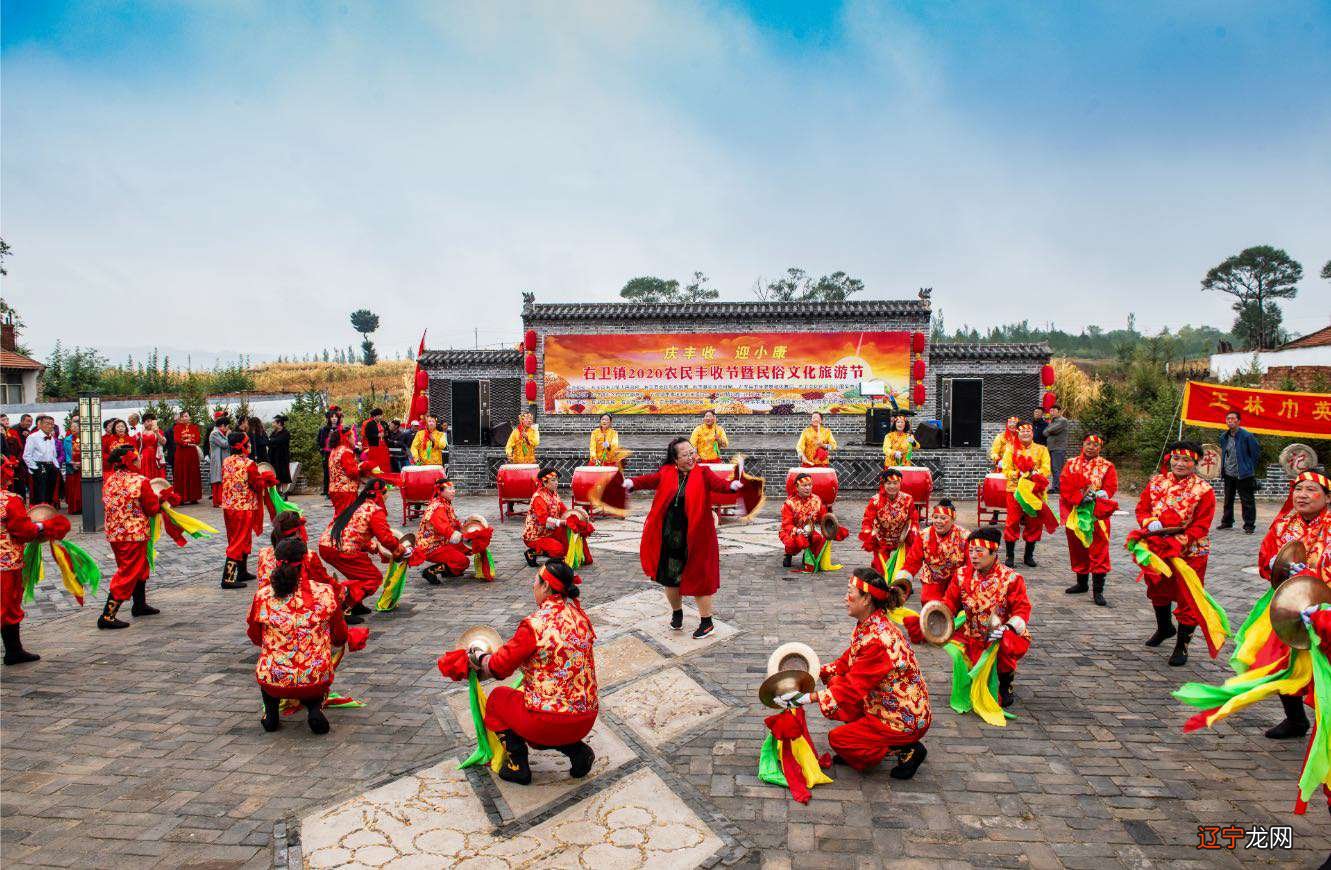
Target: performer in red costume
(1092, 480)
(545, 531)
(350, 538)
(149, 443)
(185, 460)
(890, 520)
(439, 537)
(985, 588)
(558, 702)
(801, 516)
(344, 473)
(243, 488)
(16, 530)
(1179, 505)
(679, 549)
(130, 502)
(1026, 460)
(374, 435)
(875, 687)
(296, 623)
(938, 550)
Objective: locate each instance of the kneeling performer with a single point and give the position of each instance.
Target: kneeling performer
(986, 588)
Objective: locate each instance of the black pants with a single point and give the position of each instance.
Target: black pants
(325, 465)
(44, 478)
(1247, 489)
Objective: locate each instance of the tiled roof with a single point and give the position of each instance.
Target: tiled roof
(11, 360)
(724, 310)
(466, 357)
(1320, 338)
(981, 351)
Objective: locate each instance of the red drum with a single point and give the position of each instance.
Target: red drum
(725, 470)
(418, 481)
(585, 477)
(919, 482)
(824, 482)
(991, 497)
(516, 483)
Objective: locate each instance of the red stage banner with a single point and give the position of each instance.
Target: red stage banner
(731, 372)
(1267, 412)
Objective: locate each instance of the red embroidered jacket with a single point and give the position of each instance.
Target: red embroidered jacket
(876, 676)
(296, 635)
(796, 514)
(544, 505)
(129, 502)
(1002, 591)
(16, 529)
(438, 523)
(368, 523)
(1315, 535)
(1191, 500)
(941, 555)
(242, 485)
(553, 648)
(343, 472)
(885, 520)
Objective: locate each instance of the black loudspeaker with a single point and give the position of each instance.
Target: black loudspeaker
(877, 423)
(929, 436)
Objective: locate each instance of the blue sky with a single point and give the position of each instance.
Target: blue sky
(282, 164)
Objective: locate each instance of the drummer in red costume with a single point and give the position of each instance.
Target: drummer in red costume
(1180, 504)
(1026, 459)
(938, 550)
(130, 502)
(800, 518)
(984, 588)
(679, 549)
(558, 702)
(243, 488)
(1304, 517)
(349, 540)
(875, 687)
(344, 473)
(890, 520)
(16, 530)
(1089, 478)
(439, 537)
(545, 531)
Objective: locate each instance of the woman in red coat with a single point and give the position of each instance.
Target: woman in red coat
(679, 548)
(185, 477)
(150, 444)
(296, 623)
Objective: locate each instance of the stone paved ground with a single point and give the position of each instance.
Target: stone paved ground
(140, 747)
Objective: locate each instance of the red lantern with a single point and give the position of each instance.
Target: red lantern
(917, 395)
(917, 342)
(1047, 376)
(530, 363)
(530, 340)
(422, 379)
(1048, 401)
(531, 391)
(917, 370)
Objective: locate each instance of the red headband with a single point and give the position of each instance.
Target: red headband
(985, 543)
(945, 510)
(1181, 451)
(1093, 439)
(1316, 477)
(869, 589)
(548, 577)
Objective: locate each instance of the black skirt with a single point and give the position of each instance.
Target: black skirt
(674, 540)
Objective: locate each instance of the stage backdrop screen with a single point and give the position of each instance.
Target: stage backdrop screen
(733, 372)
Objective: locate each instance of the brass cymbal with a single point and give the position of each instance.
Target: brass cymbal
(794, 656)
(1289, 554)
(578, 512)
(159, 483)
(830, 525)
(474, 522)
(266, 466)
(482, 636)
(42, 512)
(1287, 605)
(993, 622)
(936, 622)
(782, 682)
(407, 540)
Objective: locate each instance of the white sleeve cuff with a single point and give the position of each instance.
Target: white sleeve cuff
(1018, 624)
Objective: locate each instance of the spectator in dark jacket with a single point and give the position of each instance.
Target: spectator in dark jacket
(1056, 439)
(1038, 424)
(1239, 452)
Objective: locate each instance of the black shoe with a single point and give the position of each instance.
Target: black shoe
(1029, 558)
(677, 620)
(1295, 723)
(1099, 595)
(108, 617)
(837, 759)
(272, 713)
(515, 768)
(318, 721)
(352, 619)
(15, 654)
(530, 555)
(1080, 586)
(359, 609)
(245, 575)
(1164, 627)
(141, 607)
(431, 575)
(1011, 560)
(1180, 656)
(1224, 526)
(910, 760)
(785, 562)
(704, 628)
(1248, 531)
(231, 575)
(1006, 697)
(581, 756)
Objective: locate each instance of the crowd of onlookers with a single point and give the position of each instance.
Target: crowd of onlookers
(390, 441)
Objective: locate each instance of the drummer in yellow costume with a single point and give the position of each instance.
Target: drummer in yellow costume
(898, 443)
(816, 443)
(605, 448)
(430, 444)
(1025, 460)
(522, 441)
(1003, 440)
(708, 438)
